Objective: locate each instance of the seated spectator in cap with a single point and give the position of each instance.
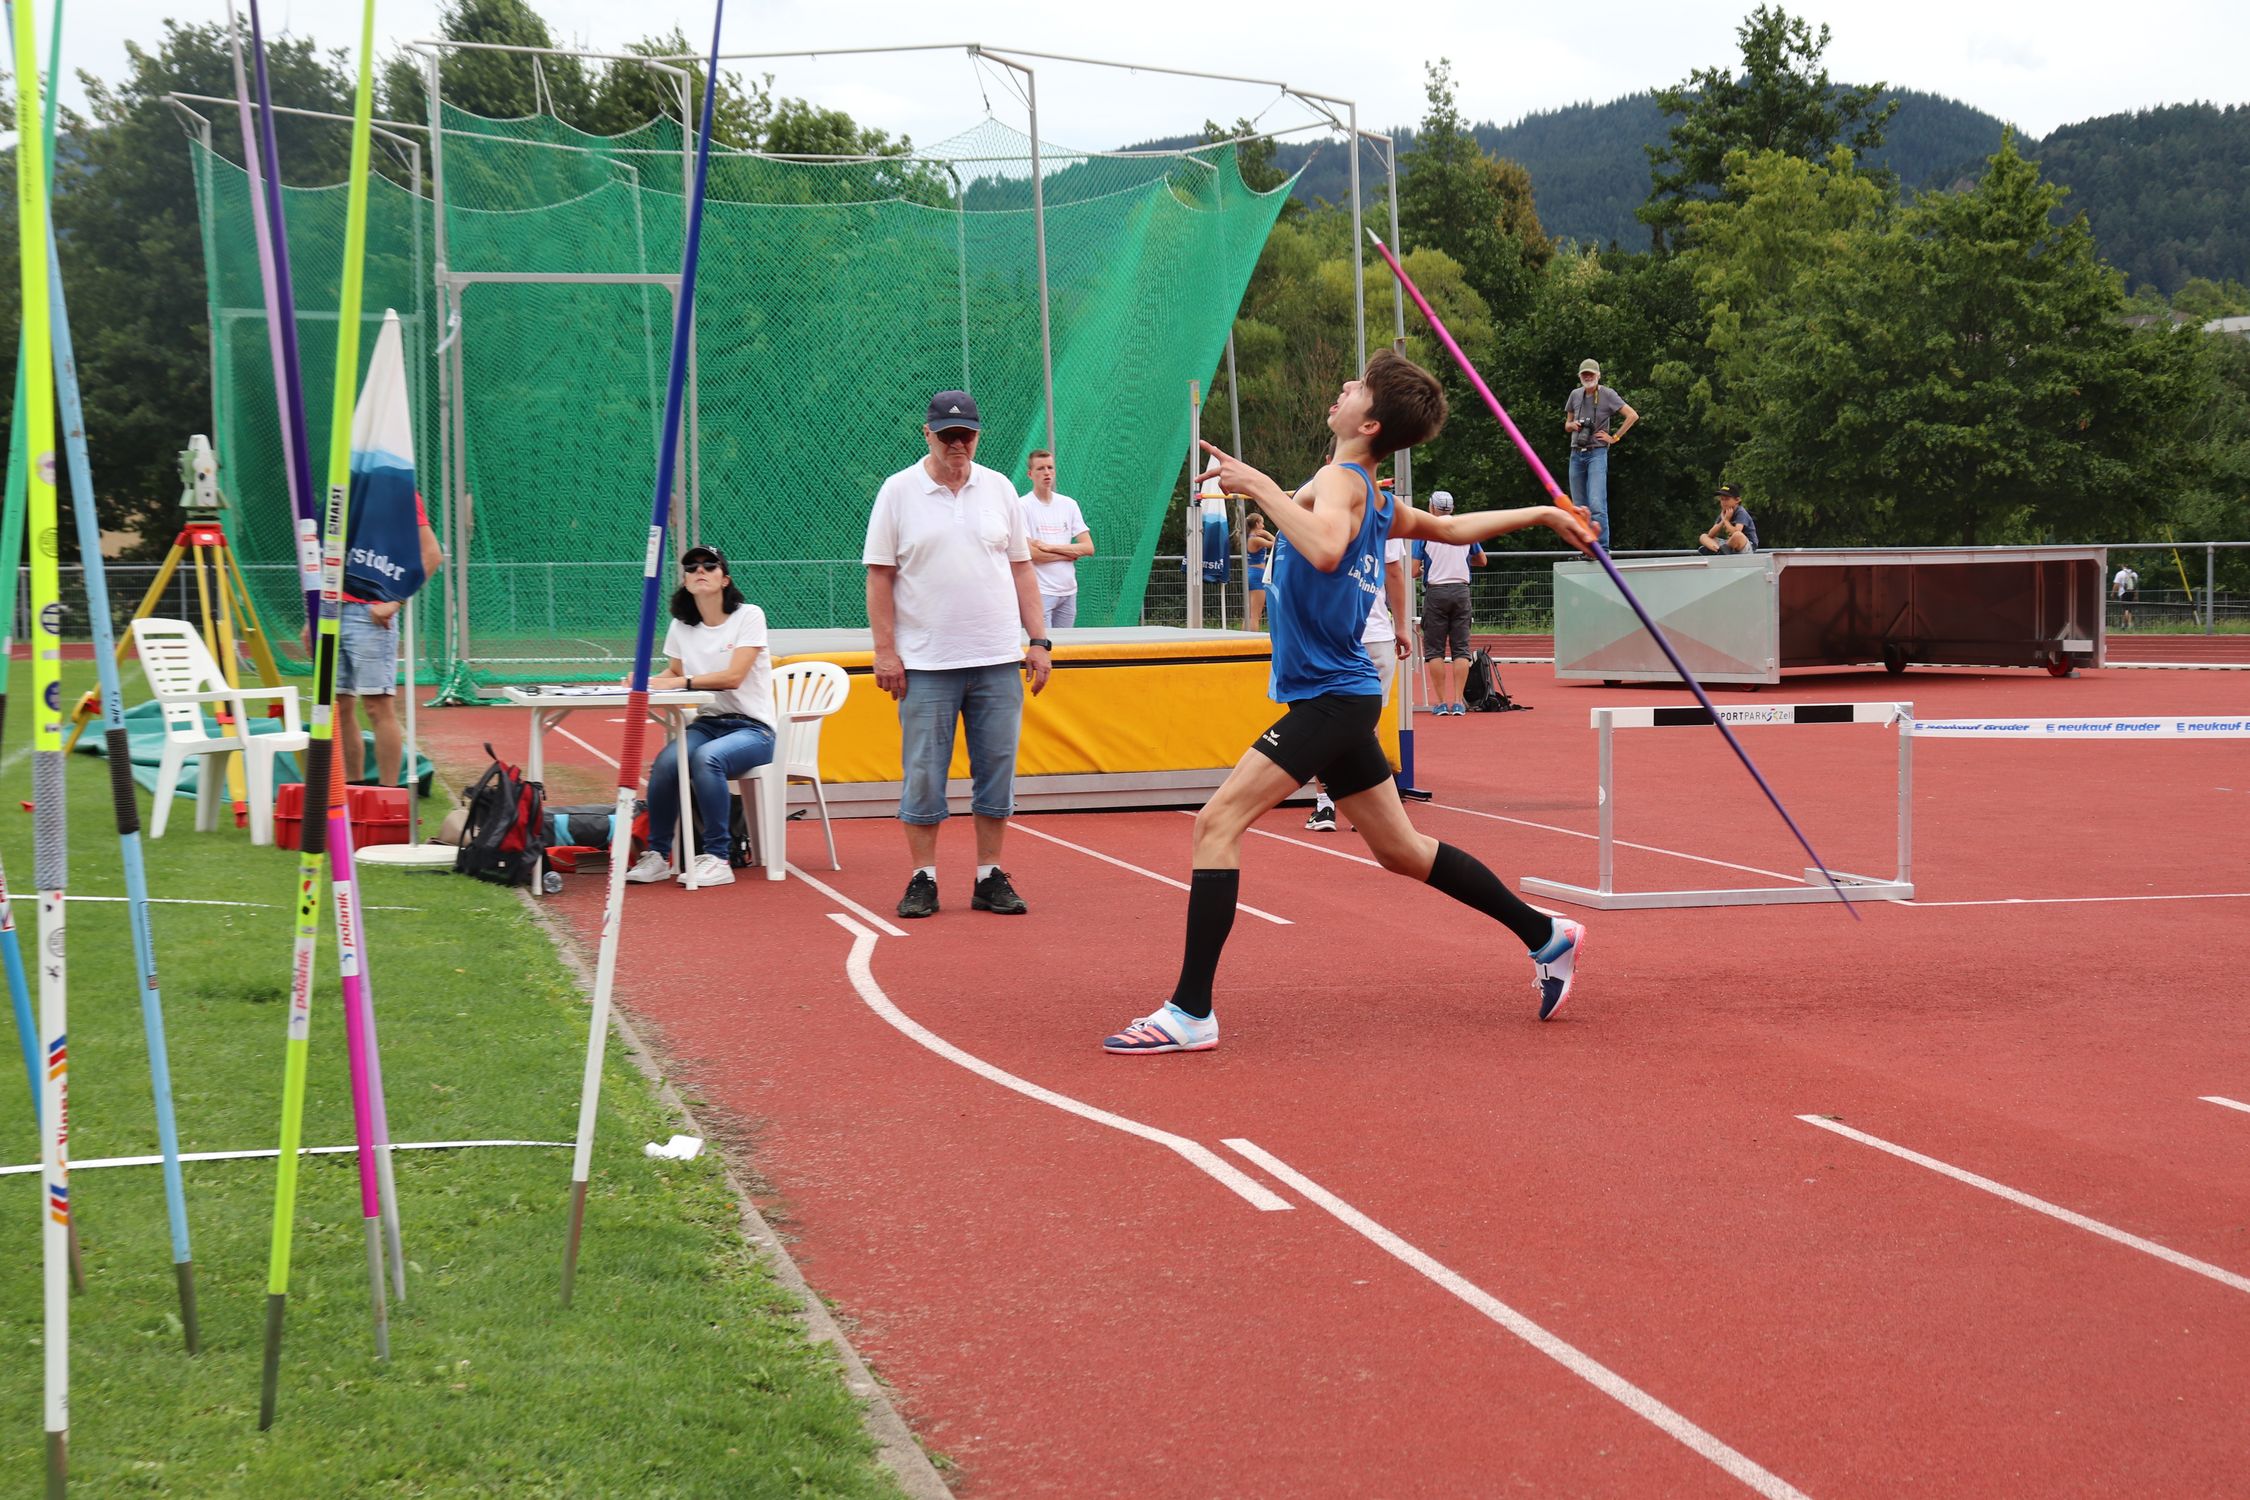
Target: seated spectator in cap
(1734, 531)
(715, 644)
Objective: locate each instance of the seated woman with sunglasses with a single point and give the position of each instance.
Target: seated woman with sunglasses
(717, 645)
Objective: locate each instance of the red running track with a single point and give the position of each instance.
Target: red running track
(1067, 1309)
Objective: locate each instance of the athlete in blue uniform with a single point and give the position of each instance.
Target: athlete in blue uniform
(1327, 569)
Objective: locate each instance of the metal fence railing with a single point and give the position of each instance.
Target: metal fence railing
(2180, 590)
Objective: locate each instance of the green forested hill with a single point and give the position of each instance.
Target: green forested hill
(2166, 190)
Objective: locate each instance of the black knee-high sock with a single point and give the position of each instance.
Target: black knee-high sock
(1470, 883)
(1211, 895)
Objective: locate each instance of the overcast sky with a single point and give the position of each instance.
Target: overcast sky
(2038, 63)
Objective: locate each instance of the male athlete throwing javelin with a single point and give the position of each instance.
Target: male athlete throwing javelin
(1327, 568)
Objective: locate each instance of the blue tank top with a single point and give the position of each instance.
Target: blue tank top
(1318, 617)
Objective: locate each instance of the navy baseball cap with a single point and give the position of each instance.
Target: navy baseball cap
(953, 410)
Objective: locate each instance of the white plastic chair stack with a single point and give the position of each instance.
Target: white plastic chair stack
(186, 680)
(804, 693)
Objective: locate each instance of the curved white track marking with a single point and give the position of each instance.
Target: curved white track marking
(1626, 1394)
(2225, 1103)
(2037, 1205)
(872, 920)
(1701, 859)
(1111, 859)
(1196, 1154)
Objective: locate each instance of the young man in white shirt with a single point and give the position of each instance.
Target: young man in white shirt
(1059, 538)
(950, 595)
(2125, 588)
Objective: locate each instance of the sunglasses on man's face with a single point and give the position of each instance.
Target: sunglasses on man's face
(955, 437)
(1589, 375)
(702, 567)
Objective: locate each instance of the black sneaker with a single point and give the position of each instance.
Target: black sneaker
(920, 899)
(993, 893)
(1323, 819)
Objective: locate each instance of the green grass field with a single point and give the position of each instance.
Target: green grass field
(679, 1370)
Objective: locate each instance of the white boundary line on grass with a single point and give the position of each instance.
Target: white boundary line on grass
(1196, 1154)
(1111, 859)
(2037, 1205)
(2225, 1103)
(269, 1153)
(1635, 1400)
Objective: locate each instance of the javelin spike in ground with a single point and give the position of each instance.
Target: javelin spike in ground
(122, 796)
(319, 758)
(51, 854)
(1600, 554)
(636, 707)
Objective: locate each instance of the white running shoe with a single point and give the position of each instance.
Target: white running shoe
(1170, 1029)
(710, 870)
(1556, 965)
(649, 868)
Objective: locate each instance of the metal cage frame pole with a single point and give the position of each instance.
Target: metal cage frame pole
(1191, 520)
(1038, 232)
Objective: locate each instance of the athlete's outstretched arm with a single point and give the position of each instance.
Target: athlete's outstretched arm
(1319, 531)
(1484, 525)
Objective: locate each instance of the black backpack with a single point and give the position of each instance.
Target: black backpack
(1482, 691)
(506, 832)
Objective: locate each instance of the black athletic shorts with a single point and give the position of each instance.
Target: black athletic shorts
(1331, 737)
(1445, 621)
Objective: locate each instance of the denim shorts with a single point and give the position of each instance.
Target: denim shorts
(988, 701)
(367, 654)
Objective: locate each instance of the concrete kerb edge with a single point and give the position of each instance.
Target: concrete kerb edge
(895, 1443)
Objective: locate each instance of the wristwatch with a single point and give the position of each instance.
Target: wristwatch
(1041, 642)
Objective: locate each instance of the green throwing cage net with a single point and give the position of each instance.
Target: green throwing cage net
(833, 298)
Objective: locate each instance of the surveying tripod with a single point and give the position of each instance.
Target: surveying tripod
(223, 597)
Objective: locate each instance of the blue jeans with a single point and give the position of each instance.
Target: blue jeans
(719, 750)
(1589, 486)
(989, 702)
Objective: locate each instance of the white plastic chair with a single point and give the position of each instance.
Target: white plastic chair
(804, 693)
(184, 678)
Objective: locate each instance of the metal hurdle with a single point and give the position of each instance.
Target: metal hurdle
(1605, 895)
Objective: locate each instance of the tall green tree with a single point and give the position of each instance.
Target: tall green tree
(132, 253)
(1782, 217)
(1478, 210)
(629, 94)
(1779, 99)
(496, 85)
(1962, 375)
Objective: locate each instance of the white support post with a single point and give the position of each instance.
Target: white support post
(1191, 526)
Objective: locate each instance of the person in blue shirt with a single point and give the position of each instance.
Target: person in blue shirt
(1734, 531)
(1327, 569)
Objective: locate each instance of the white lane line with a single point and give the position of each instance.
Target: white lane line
(1195, 1153)
(1724, 864)
(871, 919)
(2225, 1103)
(2037, 1205)
(2083, 900)
(269, 1153)
(1110, 859)
(1283, 838)
(1639, 1402)
(605, 759)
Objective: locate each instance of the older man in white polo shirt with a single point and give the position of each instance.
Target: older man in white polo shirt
(950, 598)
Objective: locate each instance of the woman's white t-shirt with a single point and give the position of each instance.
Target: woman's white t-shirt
(701, 649)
